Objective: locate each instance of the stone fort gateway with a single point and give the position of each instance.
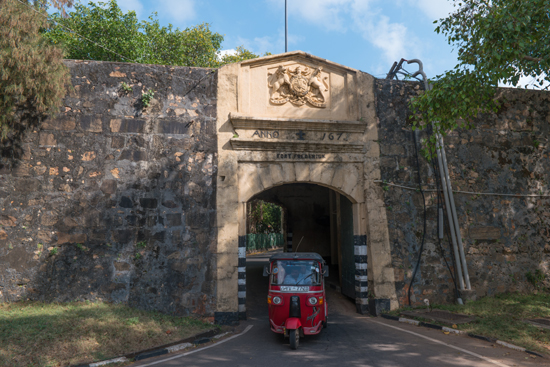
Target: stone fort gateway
(112, 201)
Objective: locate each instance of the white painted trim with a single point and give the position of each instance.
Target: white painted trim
(511, 346)
(362, 278)
(360, 250)
(241, 295)
(242, 282)
(241, 269)
(409, 321)
(103, 363)
(242, 252)
(360, 266)
(175, 348)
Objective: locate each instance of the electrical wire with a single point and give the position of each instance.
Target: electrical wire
(425, 219)
(463, 192)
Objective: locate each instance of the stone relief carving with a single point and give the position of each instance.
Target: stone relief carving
(298, 86)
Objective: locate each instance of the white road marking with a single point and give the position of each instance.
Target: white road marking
(198, 350)
(440, 342)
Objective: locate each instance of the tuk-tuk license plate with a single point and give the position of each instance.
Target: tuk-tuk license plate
(294, 289)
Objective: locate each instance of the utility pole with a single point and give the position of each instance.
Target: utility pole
(286, 27)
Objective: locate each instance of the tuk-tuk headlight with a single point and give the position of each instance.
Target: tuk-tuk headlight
(277, 300)
(312, 301)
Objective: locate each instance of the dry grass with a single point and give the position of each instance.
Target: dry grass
(41, 334)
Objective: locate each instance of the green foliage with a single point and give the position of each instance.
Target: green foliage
(241, 55)
(498, 41)
(132, 321)
(536, 278)
(125, 88)
(141, 244)
(33, 78)
(53, 251)
(147, 97)
(131, 40)
(137, 256)
(264, 217)
(80, 246)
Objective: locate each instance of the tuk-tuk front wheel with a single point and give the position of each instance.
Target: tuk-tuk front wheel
(294, 338)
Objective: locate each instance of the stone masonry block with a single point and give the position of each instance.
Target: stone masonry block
(127, 126)
(63, 238)
(108, 186)
(173, 220)
(91, 123)
(133, 155)
(47, 139)
(148, 203)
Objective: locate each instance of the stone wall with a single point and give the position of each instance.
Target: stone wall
(114, 200)
(505, 237)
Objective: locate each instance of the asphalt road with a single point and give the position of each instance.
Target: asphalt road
(350, 340)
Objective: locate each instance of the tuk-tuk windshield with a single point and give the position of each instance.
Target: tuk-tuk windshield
(295, 272)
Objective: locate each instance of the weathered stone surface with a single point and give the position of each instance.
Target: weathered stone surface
(63, 238)
(133, 155)
(501, 234)
(47, 139)
(79, 181)
(484, 233)
(109, 186)
(91, 123)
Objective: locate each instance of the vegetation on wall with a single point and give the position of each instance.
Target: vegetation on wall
(127, 39)
(498, 42)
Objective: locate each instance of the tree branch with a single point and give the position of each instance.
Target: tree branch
(530, 58)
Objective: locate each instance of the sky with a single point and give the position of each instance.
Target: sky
(368, 35)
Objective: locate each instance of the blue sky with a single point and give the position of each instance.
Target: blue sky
(363, 34)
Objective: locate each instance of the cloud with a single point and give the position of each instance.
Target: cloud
(393, 39)
(434, 9)
(178, 11)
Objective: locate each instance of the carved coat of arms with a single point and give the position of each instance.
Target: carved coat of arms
(298, 86)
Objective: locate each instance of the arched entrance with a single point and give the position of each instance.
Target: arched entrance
(325, 213)
(321, 220)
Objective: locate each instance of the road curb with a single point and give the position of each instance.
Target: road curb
(455, 331)
(194, 340)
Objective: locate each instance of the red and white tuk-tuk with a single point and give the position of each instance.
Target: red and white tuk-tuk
(296, 299)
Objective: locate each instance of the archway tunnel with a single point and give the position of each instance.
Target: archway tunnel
(315, 219)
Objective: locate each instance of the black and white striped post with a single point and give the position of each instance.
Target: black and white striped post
(241, 271)
(361, 279)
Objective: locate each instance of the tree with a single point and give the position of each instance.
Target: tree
(33, 78)
(498, 41)
(125, 38)
(264, 217)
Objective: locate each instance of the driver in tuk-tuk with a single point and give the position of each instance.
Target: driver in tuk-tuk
(297, 275)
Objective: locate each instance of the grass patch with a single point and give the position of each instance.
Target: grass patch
(501, 317)
(59, 334)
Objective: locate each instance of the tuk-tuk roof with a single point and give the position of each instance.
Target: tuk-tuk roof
(296, 255)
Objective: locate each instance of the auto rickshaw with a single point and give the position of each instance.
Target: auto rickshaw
(296, 300)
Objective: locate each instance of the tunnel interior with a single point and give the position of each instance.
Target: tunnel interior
(318, 219)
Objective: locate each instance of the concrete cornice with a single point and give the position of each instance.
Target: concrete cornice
(295, 146)
(274, 123)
